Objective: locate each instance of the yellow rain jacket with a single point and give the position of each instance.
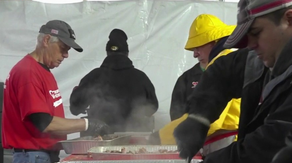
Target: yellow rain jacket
(205, 29)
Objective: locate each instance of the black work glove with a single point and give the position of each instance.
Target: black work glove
(283, 156)
(190, 136)
(97, 127)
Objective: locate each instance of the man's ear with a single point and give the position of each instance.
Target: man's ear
(288, 17)
(46, 40)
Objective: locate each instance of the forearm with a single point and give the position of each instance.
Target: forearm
(176, 111)
(178, 99)
(79, 100)
(152, 102)
(151, 111)
(62, 126)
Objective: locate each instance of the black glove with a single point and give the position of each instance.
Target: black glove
(97, 127)
(190, 136)
(288, 139)
(283, 156)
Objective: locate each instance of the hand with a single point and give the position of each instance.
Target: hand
(97, 127)
(190, 136)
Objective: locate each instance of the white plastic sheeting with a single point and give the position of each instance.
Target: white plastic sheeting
(157, 32)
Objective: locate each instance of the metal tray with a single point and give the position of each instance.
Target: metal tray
(99, 153)
(83, 144)
(134, 133)
(137, 138)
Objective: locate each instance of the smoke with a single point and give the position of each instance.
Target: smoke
(121, 113)
(119, 95)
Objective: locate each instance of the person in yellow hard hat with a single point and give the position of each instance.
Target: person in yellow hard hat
(206, 38)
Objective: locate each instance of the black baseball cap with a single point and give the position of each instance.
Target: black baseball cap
(248, 11)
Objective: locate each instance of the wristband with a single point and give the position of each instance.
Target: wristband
(200, 119)
(86, 123)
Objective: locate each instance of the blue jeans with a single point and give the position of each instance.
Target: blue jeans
(31, 157)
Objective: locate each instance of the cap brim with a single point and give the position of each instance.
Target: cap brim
(72, 44)
(236, 39)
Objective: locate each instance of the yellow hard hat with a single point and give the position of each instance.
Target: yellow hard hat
(207, 28)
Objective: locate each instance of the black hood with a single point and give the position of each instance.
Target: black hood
(117, 62)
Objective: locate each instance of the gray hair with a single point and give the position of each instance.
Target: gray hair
(52, 38)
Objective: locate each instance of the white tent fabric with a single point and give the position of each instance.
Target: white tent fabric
(157, 32)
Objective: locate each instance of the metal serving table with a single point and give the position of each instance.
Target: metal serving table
(138, 139)
(86, 159)
(136, 161)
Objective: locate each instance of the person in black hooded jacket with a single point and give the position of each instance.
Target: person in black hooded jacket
(207, 35)
(116, 92)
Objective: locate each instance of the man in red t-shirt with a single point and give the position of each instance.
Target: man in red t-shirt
(33, 114)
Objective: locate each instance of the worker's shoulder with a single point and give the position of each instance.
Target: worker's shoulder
(231, 54)
(222, 53)
(138, 72)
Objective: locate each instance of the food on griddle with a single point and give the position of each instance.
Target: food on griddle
(99, 138)
(123, 150)
(109, 137)
(105, 137)
(166, 151)
(140, 151)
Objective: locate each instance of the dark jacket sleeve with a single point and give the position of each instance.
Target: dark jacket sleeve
(81, 95)
(178, 99)
(222, 81)
(151, 98)
(262, 144)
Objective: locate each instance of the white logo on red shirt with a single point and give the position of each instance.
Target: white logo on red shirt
(58, 102)
(194, 84)
(55, 93)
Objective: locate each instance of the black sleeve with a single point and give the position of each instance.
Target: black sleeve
(81, 95)
(178, 99)
(151, 99)
(222, 81)
(262, 144)
(41, 120)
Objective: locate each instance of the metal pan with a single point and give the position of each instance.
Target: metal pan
(102, 152)
(83, 144)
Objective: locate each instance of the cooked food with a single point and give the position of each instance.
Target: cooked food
(140, 151)
(105, 137)
(99, 138)
(109, 137)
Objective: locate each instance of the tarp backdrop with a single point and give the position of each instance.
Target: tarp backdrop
(157, 32)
